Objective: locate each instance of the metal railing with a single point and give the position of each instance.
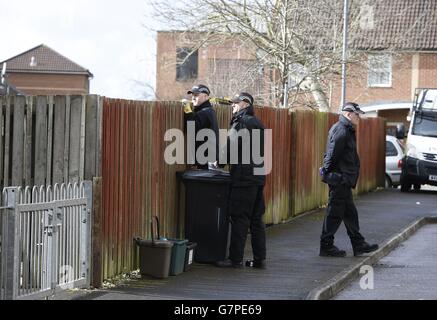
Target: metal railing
(45, 240)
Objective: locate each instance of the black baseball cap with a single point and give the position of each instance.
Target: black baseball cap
(352, 107)
(200, 88)
(242, 96)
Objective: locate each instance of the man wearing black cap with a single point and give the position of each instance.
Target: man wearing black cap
(341, 167)
(246, 204)
(203, 117)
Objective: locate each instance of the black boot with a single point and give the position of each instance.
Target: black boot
(259, 264)
(228, 263)
(331, 251)
(364, 247)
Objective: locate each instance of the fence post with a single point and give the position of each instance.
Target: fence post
(11, 246)
(96, 234)
(86, 232)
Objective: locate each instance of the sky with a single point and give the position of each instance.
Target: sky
(107, 37)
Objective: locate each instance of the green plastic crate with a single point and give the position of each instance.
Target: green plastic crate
(189, 255)
(178, 251)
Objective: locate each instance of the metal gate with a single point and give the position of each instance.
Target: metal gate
(45, 240)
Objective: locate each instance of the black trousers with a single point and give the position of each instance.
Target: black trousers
(247, 208)
(340, 208)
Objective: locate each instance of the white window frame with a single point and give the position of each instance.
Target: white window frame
(384, 62)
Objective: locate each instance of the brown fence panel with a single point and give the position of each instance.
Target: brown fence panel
(310, 130)
(371, 149)
(137, 183)
(277, 190)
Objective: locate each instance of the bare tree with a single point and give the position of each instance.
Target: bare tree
(298, 41)
(145, 90)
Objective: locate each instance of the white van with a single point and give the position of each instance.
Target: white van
(420, 163)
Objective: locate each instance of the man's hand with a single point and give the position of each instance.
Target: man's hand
(187, 106)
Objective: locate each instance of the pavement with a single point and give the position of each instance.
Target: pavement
(407, 273)
(294, 268)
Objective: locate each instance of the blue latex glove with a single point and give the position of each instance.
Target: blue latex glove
(322, 171)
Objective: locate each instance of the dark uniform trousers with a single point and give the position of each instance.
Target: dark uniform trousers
(247, 208)
(341, 208)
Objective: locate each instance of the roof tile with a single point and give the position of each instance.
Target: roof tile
(401, 24)
(43, 59)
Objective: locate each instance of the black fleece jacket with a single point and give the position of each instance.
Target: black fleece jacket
(341, 152)
(242, 167)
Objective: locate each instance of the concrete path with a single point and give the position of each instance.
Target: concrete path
(408, 272)
(294, 267)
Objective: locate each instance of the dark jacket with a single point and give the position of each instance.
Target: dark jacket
(242, 170)
(341, 152)
(204, 117)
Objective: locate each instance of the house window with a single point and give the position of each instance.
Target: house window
(379, 70)
(187, 64)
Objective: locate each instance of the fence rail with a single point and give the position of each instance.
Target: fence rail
(45, 240)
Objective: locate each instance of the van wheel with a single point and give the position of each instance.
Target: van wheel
(388, 183)
(417, 187)
(405, 187)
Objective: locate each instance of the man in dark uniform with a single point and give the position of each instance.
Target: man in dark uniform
(203, 117)
(341, 167)
(246, 204)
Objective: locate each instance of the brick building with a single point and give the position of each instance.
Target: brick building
(408, 28)
(225, 67)
(43, 71)
(387, 82)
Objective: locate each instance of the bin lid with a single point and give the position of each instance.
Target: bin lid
(156, 243)
(213, 176)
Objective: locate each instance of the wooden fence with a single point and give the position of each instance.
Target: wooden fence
(120, 145)
(137, 183)
(48, 140)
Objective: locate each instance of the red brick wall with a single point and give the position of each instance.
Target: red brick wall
(50, 84)
(400, 91)
(167, 88)
(357, 88)
(428, 70)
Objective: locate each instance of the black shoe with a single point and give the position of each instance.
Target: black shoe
(228, 264)
(259, 264)
(364, 248)
(331, 251)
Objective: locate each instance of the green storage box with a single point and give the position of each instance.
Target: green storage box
(189, 255)
(178, 251)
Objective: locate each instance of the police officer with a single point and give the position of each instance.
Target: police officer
(203, 117)
(246, 204)
(340, 170)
